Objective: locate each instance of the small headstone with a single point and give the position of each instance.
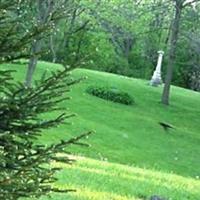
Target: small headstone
(156, 198)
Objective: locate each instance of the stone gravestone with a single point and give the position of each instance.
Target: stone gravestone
(156, 198)
(156, 78)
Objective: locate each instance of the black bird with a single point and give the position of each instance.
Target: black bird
(166, 126)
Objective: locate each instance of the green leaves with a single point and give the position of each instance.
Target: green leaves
(111, 94)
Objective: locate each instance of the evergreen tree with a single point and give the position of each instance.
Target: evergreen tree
(24, 164)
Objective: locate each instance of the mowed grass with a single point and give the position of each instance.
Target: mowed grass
(98, 180)
(130, 136)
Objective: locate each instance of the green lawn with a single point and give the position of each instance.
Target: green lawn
(141, 158)
(97, 180)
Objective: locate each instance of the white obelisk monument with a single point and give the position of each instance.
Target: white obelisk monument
(156, 78)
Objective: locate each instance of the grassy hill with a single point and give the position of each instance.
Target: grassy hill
(131, 155)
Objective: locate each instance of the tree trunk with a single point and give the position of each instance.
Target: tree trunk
(53, 51)
(32, 63)
(44, 9)
(172, 52)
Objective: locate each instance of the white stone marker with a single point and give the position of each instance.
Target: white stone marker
(156, 78)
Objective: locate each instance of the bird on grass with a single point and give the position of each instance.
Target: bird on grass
(166, 126)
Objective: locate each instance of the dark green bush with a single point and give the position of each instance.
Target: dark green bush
(110, 94)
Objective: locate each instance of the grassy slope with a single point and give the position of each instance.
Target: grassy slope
(131, 135)
(98, 180)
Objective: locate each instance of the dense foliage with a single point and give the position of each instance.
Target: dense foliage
(124, 36)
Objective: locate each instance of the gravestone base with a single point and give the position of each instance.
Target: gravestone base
(156, 80)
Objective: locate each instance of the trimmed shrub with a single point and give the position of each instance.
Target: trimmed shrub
(110, 94)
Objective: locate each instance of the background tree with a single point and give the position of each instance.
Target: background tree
(172, 51)
(46, 13)
(178, 6)
(123, 37)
